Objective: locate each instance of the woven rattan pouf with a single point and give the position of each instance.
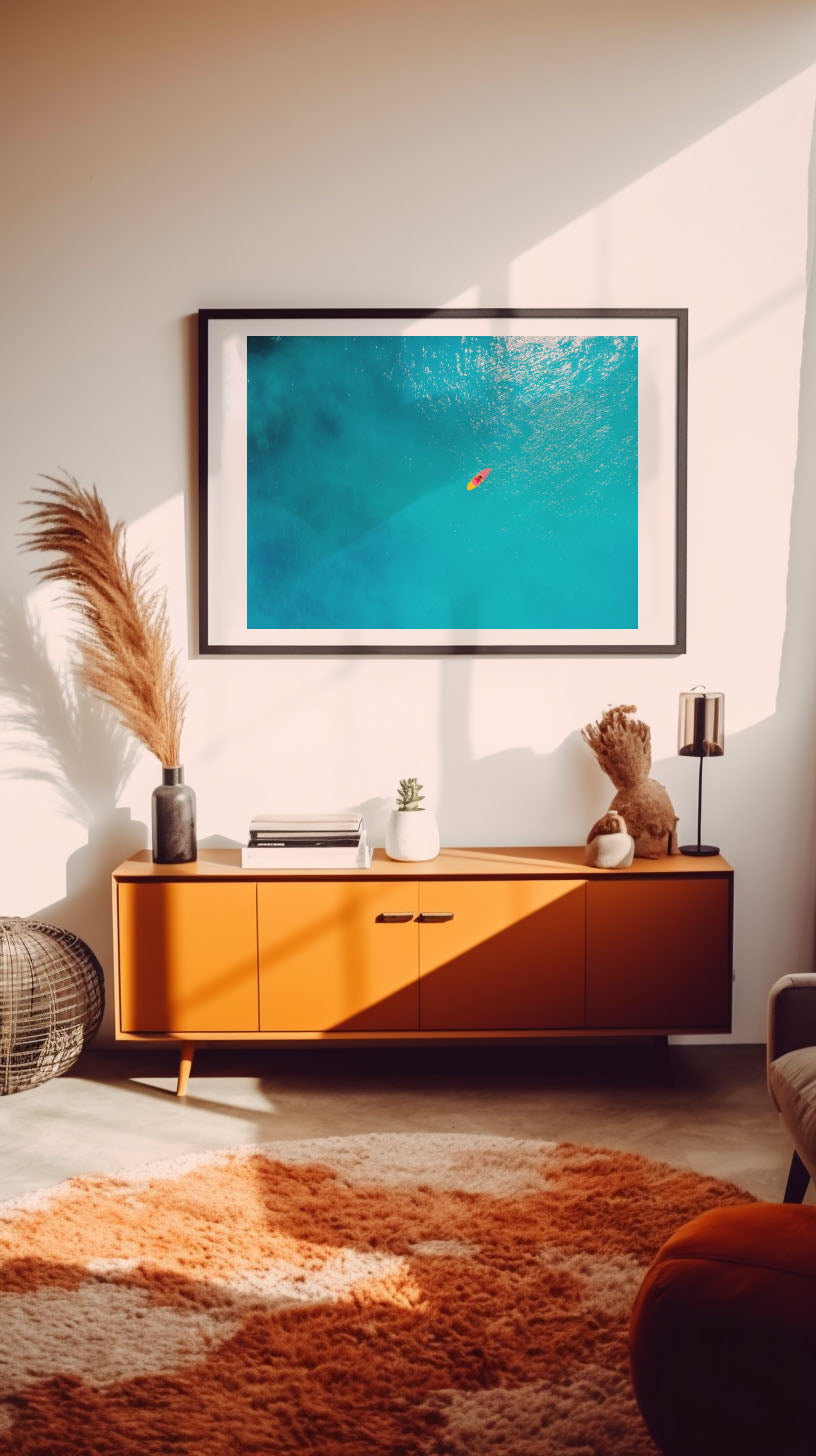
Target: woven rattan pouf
(52, 995)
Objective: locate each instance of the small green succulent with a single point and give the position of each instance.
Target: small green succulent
(409, 794)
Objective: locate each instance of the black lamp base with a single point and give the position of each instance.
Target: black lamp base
(700, 849)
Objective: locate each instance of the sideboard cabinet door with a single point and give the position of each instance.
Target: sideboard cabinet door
(659, 954)
(188, 956)
(508, 957)
(338, 955)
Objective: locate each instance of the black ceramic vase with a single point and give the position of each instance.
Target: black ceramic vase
(173, 813)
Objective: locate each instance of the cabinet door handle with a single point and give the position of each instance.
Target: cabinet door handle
(435, 915)
(395, 917)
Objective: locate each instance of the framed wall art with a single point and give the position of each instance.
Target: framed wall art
(442, 481)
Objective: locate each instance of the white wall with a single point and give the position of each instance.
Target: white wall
(185, 154)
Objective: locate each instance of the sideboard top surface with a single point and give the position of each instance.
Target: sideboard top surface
(496, 862)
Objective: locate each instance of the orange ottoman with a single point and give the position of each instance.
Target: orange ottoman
(723, 1335)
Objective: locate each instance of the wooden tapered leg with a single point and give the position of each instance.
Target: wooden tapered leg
(185, 1065)
(798, 1179)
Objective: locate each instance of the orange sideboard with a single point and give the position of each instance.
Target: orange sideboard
(476, 943)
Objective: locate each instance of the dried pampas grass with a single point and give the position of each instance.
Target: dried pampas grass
(124, 642)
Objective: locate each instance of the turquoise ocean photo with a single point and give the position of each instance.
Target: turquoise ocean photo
(468, 483)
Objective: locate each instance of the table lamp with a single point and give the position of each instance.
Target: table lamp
(701, 735)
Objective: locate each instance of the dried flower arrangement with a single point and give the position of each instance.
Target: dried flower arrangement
(124, 643)
(622, 745)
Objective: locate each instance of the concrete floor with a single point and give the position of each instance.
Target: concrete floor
(703, 1107)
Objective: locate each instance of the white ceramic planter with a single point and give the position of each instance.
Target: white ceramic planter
(412, 834)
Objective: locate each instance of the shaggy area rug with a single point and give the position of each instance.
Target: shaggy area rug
(427, 1295)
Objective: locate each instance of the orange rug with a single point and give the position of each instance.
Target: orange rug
(427, 1295)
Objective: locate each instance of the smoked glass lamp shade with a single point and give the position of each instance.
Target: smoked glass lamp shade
(701, 731)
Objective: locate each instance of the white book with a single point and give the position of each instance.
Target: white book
(332, 857)
(349, 822)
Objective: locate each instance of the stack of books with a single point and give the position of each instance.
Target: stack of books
(306, 842)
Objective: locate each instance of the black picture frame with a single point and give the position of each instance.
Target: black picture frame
(662, 342)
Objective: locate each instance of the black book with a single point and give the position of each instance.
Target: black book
(300, 841)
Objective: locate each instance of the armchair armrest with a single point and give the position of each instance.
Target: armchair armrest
(791, 1014)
